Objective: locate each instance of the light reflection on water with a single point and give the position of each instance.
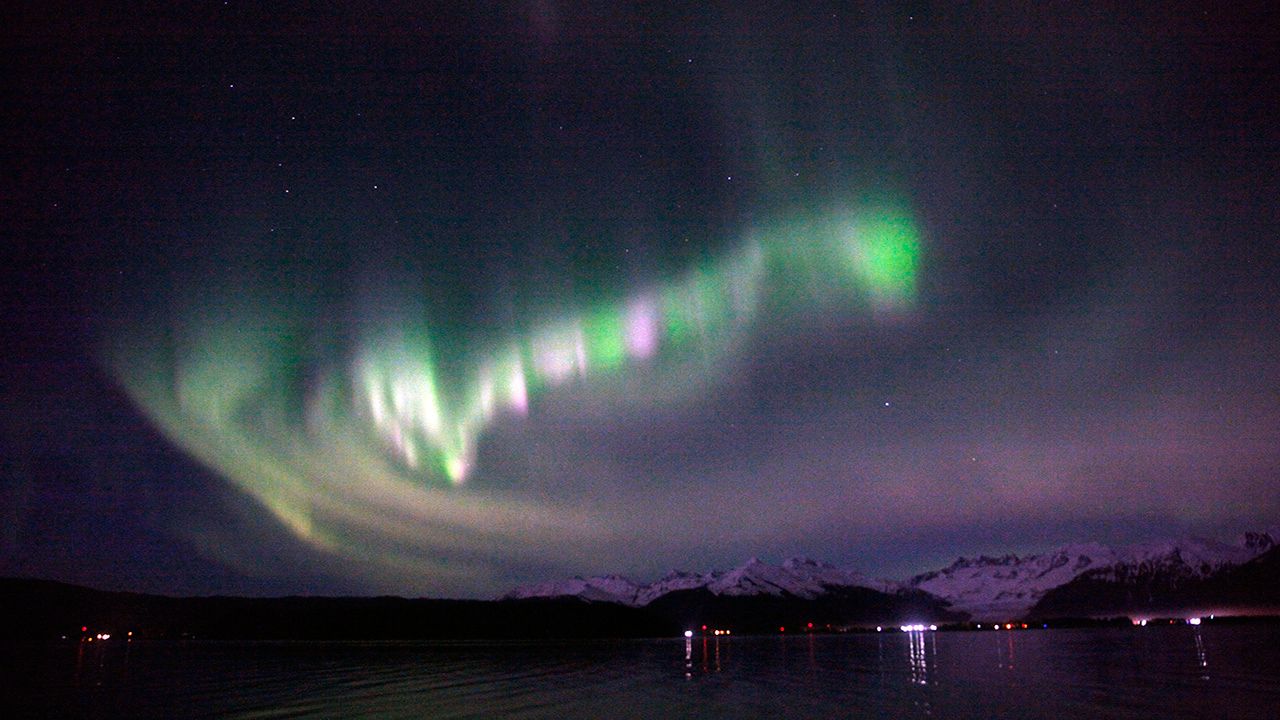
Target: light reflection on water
(1200, 656)
(1120, 672)
(919, 659)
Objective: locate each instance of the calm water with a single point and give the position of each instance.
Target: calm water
(1167, 672)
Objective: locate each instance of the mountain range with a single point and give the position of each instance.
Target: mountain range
(797, 577)
(1089, 579)
(1176, 578)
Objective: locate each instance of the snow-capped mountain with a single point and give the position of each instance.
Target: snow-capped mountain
(671, 582)
(1186, 557)
(603, 588)
(985, 588)
(797, 577)
(1260, 542)
(801, 577)
(1006, 587)
(1173, 581)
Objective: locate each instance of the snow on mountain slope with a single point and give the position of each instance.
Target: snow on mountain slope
(800, 577)
(823, 574)
(605, 588)
(759, 578)
(987, 588)
(1006, 587)
(671, 582)
(1186, 557)
(1260, 541)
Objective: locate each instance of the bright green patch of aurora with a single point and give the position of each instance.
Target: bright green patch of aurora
(386, 432)
(885, 256)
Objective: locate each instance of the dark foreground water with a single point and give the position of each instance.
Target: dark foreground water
(1154, 672)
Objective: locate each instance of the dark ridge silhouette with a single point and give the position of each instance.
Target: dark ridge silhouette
(51, 610)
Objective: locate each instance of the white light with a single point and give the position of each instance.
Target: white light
(933, 627)
(879, 629)
(1193, 621)
(1143, 623)
(688, 633)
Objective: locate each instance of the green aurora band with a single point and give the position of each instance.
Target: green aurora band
(381, 440)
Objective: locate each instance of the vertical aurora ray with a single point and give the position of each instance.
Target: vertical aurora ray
(874, 254)
(642, 327)
(606, 339)
(393, 421)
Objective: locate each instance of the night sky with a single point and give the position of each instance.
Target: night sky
(420, 300)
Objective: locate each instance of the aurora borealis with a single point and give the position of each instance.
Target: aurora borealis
(401, 392)
(431, 424)
(438, 302)
(384, 427)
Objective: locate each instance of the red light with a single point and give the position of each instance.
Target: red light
(704, 627)
(782, 629)
(810, 626)
(84, 628)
